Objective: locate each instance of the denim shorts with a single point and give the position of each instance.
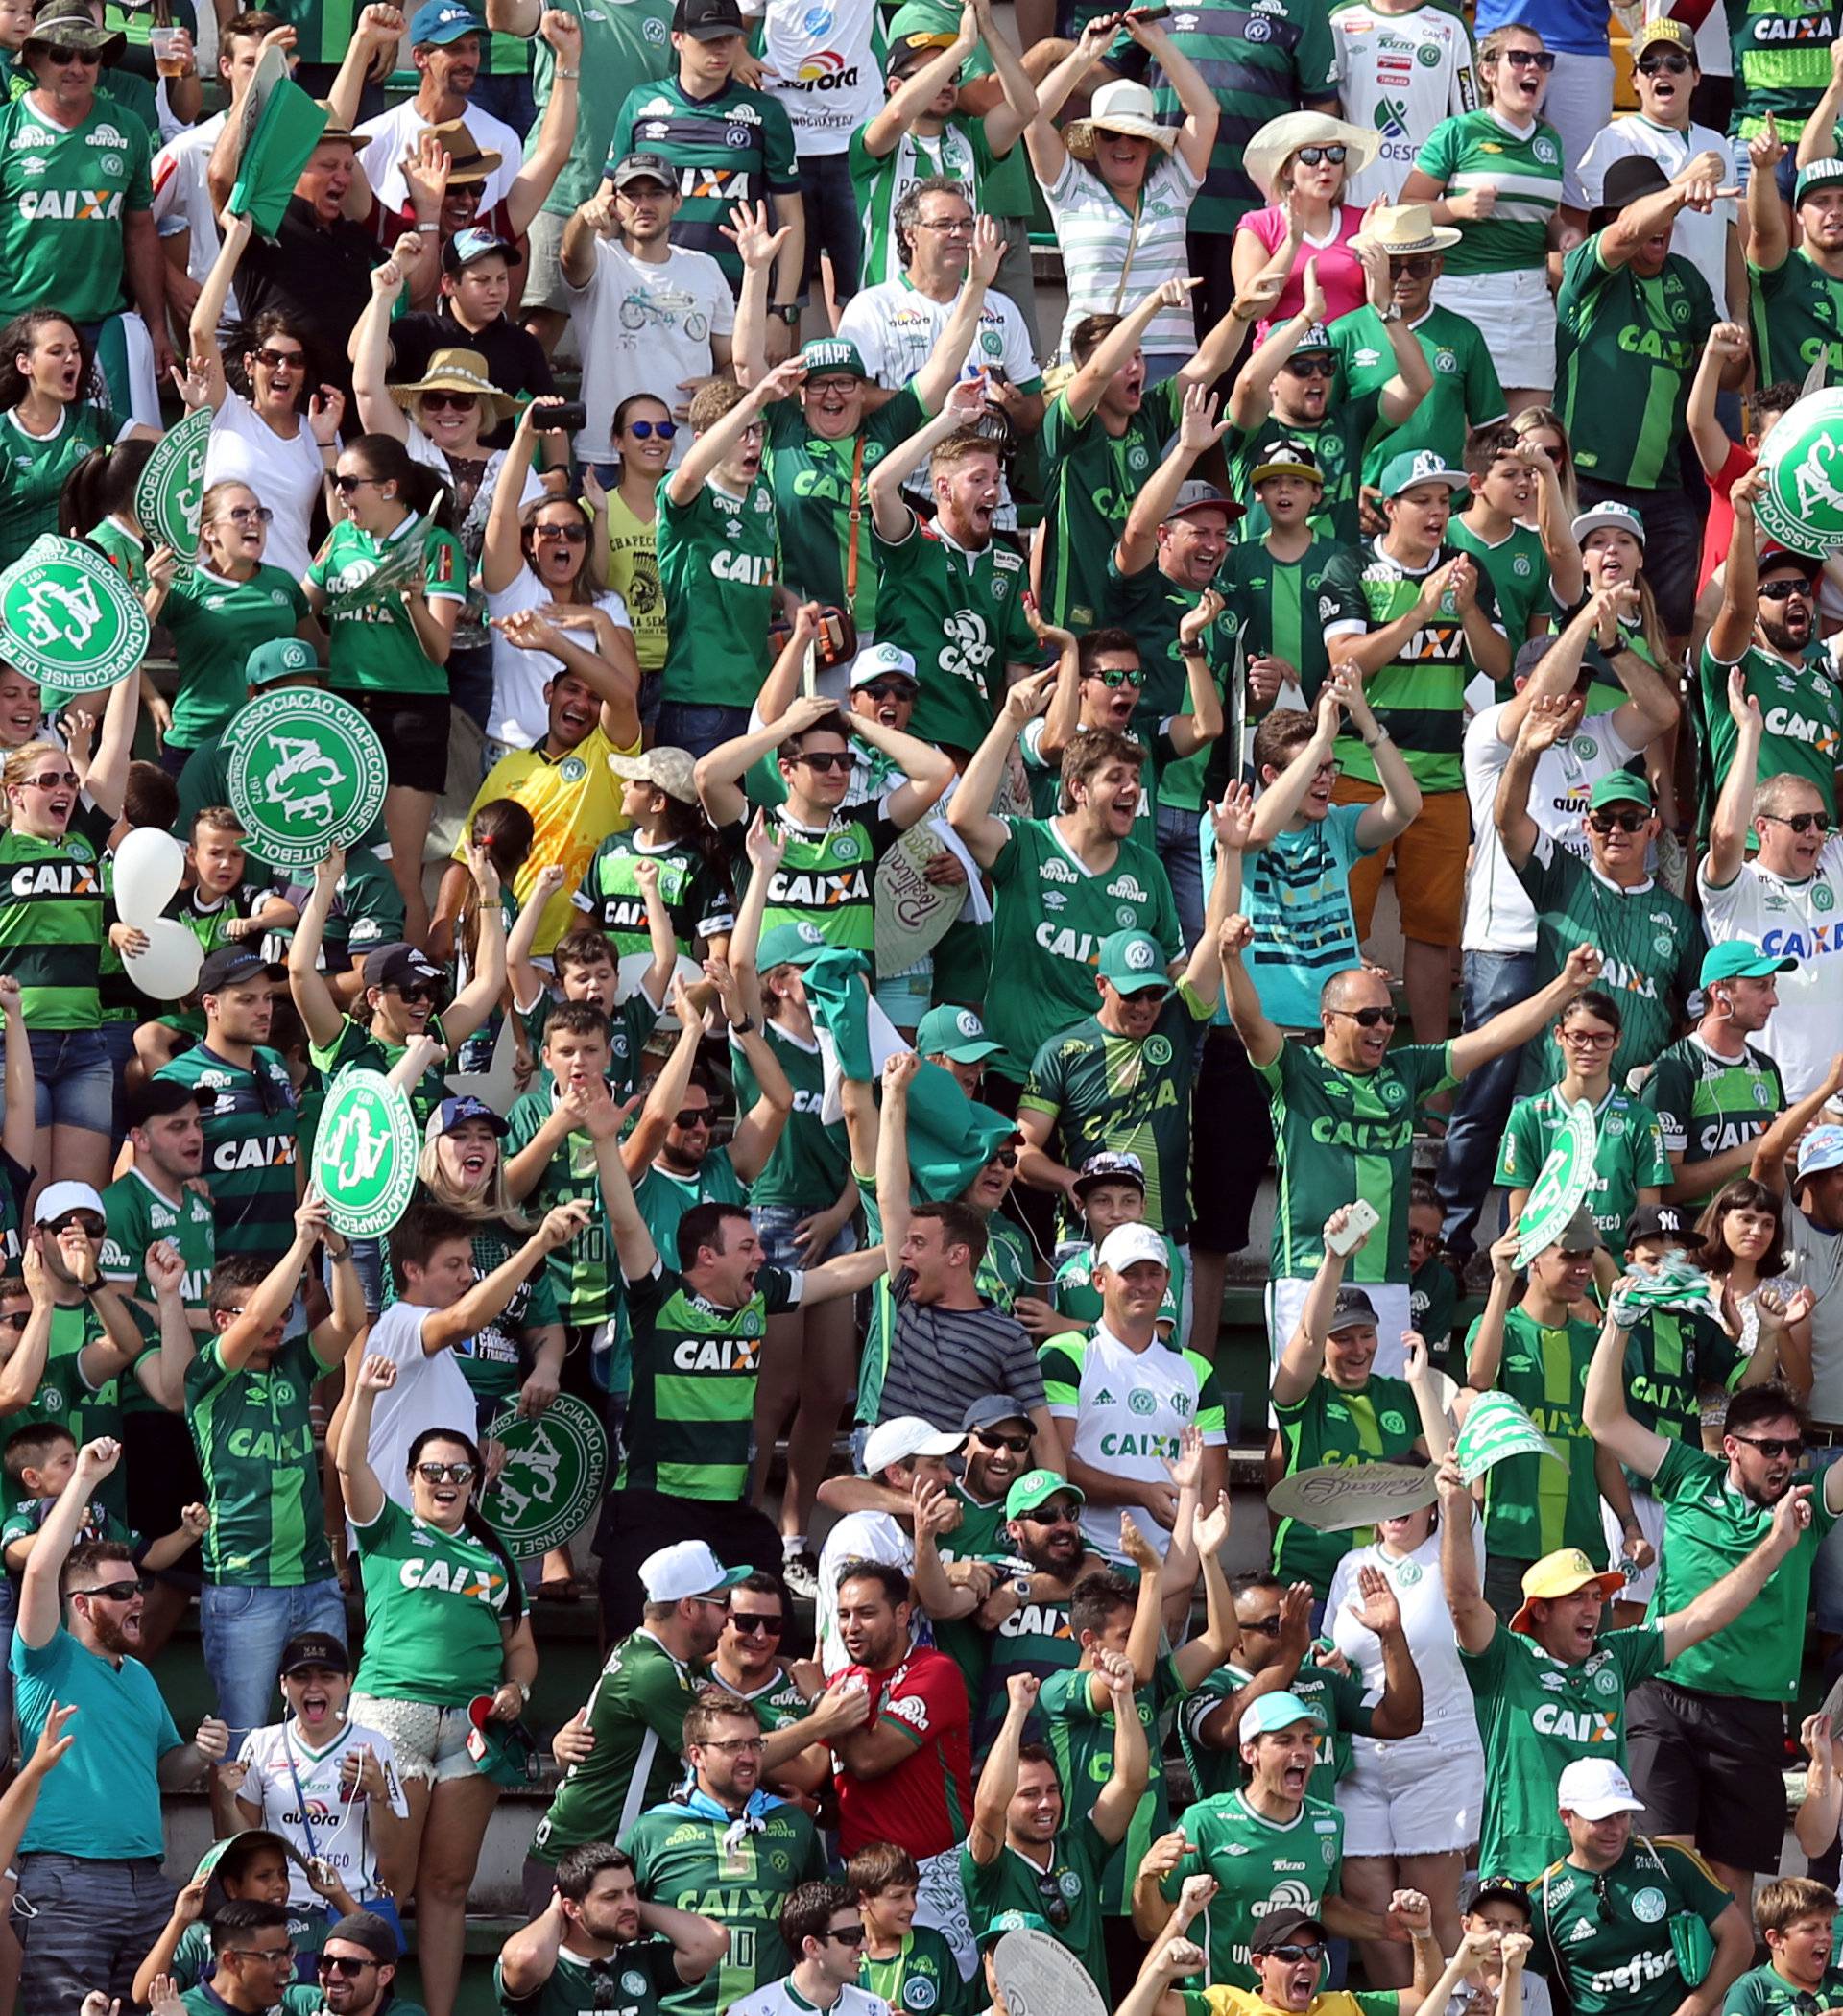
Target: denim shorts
(76, 1082)
(775, 1227)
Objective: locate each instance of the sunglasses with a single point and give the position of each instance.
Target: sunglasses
(1267, 1626)
(445, 1472)
(83, 1222)
(1016, 1444)
(645, 430)
(1369, 1017)
(757, 1626)
(63, 53)
(249, 514)
(1800, 822)
(1311, 157)
(281, 360)
(1311, 367)
(1543, 60)
(1416, 268)
(1118, 676)
(1784, 588)
(1675, 65)
(452, 402)
(691, 1117)
(1054, 1515)
(52, 779)
(1291, 1952)
(113, 1591)
(570, 535)
(1626, 822)
(1006, 1159)
(839, 759)
(345, 484)
(889, 690)
(848, 1934)
(1775, 1445)
(327, 1963)
(1050, 1894)
(413, 996)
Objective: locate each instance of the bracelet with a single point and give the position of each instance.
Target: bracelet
(572, 75)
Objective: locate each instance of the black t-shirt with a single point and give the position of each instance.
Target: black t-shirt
(515, 360)
(321, 279)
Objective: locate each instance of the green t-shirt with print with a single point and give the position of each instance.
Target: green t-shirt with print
(372, 646)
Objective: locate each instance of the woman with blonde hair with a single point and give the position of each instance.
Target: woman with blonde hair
(1302, 162)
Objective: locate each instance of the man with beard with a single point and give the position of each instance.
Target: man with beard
(729, 1847)
(571, 1958)
(1766, 629)
(1706, 1735)
(357, 1969)
(1780, 896)
(1797, 295)
(90, 1861)
(448, 46)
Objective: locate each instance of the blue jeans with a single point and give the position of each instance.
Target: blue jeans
(833, 225)
(699, 729)
(1176, 827)
(1489, 983)
(75, 1086)
(244, 1631)
(118, 1045)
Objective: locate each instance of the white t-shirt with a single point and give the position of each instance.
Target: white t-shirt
(519, 716)
(1816, 1261)
(1400, 74)
(1445, 1691)
(1130, 1410)
(431, 1391)
(825, 64)
(859, 1536)
(1802, 921)
(782, 1998)
(286, 475)
(182, 200)
(645, 326)
(1093, 232)
(1703, 240)
(302, 1801)
(393, 135)
(1500, 918)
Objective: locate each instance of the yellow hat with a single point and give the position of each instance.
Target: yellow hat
(1561, 1575)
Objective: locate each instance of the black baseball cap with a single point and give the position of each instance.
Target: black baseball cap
(153, 1098)
(398, 963)
(314, 1648)
(368, 1929)
(707, 20)
(1499, 1889)
(1350, 1308)
(1282, 1927)
(230, 965)
(1664, 1222)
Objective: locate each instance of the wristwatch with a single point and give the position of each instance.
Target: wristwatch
(788, 312)
(746, 1027)
(1392, 313)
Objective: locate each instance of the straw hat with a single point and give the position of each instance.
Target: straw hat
(460, 371)
(1121, 107)
(1403, 228)
(1291, 131)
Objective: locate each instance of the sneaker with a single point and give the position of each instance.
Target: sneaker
(799, 1572)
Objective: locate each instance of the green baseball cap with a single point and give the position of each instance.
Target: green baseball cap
(241, 1845)
(790, 945)
(1037, 1487)
(285, 658)
(1419, 466)
(1010, 1922)
(1815, 177)
(1740, 959)
(1134, 963)
(1623, 787)
(832, 353)
(918, 29)
(954, 1032)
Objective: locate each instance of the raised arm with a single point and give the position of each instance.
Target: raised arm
(360, 1488)
(1082, 392)
(1642, 1450)
(502, 554)
(1251, 399)
(928, 771)
(1198, 431)
(39, 1609)
(1727, 344)
(319, 1012)
(891, 516)
(1734, 814)
(1017, 108)
(1119, 1797)
(370, 345)
(1768, 241)
(1261, 1038)
(1302, 1358)
(471, 1008)
(1202, 108)
(708, 451)
(1733, 630)
(998, 1776)
(1474, 1622)
(948, 359)
(719, 774)
(892, 1156)
(557, 129)
(1512, 1027)
(1777, 1144)
(912, 96)
(486, 1299)
(1715, 1608)
(1545, 723)
(1042, 138)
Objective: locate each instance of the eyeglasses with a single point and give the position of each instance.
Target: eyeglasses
(1119, 676)
(1291, 1952)
(1369, 1017)
(445, 1472)
(570, 535)
(1417, 268)
(1669, 60)
(115, 1592)
(847, 1935)
(281, 360)
(739, 1747)
(1774, 1445)
(1311, 157)
(1799, 822)
(691, 1117)
(1543, 60)
(823, 760)
(949, 225)
(1590, 1039)
(757, 1626)
(248, 514)
(1053, 1516)
(53, 780)
(645, 430)
(1626, 822)
(83, 1222)
(1783, 588)
(327, 1963)
(1267, 1626)
(1311, 367)
(63, 53)
(456, 401)
(1016, 1444)
(345, 484)
(1050, 1894)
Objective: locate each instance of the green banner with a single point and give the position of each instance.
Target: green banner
(1496, 1426)
(1799, 503)
(171, 491)
(1563, 1180)
(281, 128)
(556, 1465)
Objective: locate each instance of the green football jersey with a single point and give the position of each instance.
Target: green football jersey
(696, 898)
(1129, 1095)
(1534, 1505)
(255, 1448)
(815, 484)
(1781, 53)
(50, 927)
(1795, 308)
(1628, 1154)
(1517, 566)
(1261, 1865)
(1344, 1134)
(879, 182)
(1466, 392)
(1706, 1103)
(1802, 709)
(1764, 1991)
(1626, 348)
(1672, 1357)
(1008, 1883)
(1339, 441)
(1152, 606)
(1651, 944)
(1477, 151)
(826, 876)
(66, 1397)
(622, 47)
(1337, 1698)
(690, 1421)
(1052, 913)
(635, 1713)
(1537, 1715)
(434, 1603)
(664, 1198)
(1080, 1738)
(1375, 1423)
(139, 1216)
(1606, 1939)
(1419, 697)
(809, 1165)
(775, 1703)
(922, 1978)
(1433, 1301)
(65, 194)
(372, 646)
(633, 1980)
(356, 1048)
(690, 1862)
(34, 466)
(216, 624)
(719, 563)
(1276, 602)
(250, 1146)
(1093, 477)
(1035, 1638)
(586, 1285)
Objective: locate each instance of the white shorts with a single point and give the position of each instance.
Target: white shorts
(431, 1743)
(1423, 1795)
(1639, 1582)
(1515, 314)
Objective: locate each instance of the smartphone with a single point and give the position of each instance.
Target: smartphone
(1362, 1218)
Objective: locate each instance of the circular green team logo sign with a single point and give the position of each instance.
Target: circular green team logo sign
(1800, 504)
(68, 620)
(365, 1154)
(306, 773)
(170, 496)
(556, 1463)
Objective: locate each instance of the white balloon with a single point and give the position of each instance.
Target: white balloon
(150, 865)
(169, 968)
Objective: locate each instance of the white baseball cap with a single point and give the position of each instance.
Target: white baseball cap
(686, 1569)
(1133, 1241)
(58, 1200)
(1595, 1789)
(907, 1435)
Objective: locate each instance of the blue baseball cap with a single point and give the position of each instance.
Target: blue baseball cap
(1820, 1149)
(463, 1107)
(440, 21)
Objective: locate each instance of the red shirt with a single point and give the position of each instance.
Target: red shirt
(925, 1803)
(1720, 526)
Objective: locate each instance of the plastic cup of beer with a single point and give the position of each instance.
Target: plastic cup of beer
(168, 45)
